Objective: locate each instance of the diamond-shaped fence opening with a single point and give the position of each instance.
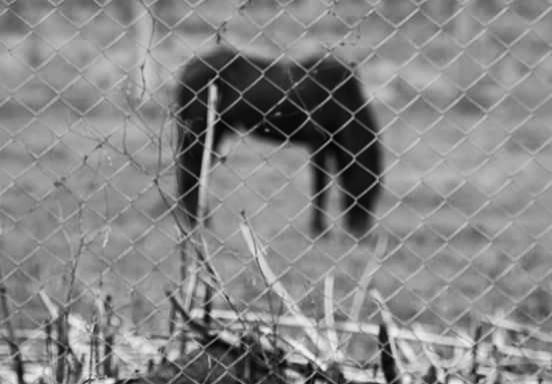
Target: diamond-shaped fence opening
(374, 205)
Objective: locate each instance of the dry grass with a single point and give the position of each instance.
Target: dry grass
(445, 253)
(465, 207)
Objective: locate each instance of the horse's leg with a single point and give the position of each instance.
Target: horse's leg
(350, 172)
(320, 186)
(188, 169)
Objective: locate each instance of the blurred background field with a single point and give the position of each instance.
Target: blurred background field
(462, 96)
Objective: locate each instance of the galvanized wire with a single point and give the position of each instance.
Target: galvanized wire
(88, 202)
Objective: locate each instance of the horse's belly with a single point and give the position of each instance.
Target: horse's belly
(271, 114)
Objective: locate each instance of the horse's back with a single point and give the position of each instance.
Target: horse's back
(201, 68)
(279, 93)
(195, 77)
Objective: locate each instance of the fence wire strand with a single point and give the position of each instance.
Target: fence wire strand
(90, 158)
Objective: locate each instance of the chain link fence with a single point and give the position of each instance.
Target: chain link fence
(89, 208)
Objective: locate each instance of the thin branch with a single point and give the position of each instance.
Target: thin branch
(91, 358)
(329, 311)
(208, 294)
(203, 185)
(500, 321)
(48, 342)
(172, 320)
(192, 284)
(495, 375)
(259, 252)
(207, 152)
(15, 352)
(146, 49)
(49, 305)
(387, 318)
(370, 269)
(391, 371)
(62, 350)
(187, 238)
(109, 335)
(475, 351)
(74, 255)
(185, 315)
(95, 348)
(183, 234)
(455, 363)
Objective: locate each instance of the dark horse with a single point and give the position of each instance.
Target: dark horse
(317, 102)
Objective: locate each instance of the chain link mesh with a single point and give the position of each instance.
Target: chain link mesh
(461, 90)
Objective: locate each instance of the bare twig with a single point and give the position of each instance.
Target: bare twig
(62, 320)
(329, 312)
(498, 343)
(495, 375)
(188, 293)
(63, 370)
(172, 320)
(259, 253)
(191, 286)
(97, 335)
(62, 348)
(207, 153)
(15, 352)
(391, 372)
(208, 293)
(48, 342)
(371, 267)
(109, 337)
(75, 258)
(143, 35)
(185, 315)
(455, 363)
(188, 240)
(203, 186)
(387, 318)
(49, 304)
(96, 340)
(499, 337)
(94, 358)
(186, 236)
(499, 320)
(474, 352)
